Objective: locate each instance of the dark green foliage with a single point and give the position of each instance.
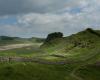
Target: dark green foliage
(93, 31)
(53, 36)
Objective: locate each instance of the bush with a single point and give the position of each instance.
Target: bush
(54, 35)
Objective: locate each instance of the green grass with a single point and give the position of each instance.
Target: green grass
(82, 47)
(89, 72)
(33, 71)
(76, 46)
(30, 51)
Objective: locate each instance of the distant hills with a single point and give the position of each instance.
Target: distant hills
(74, 57)
(4, 40)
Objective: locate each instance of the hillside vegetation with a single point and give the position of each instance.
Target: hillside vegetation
(75, 46)
(75, 57)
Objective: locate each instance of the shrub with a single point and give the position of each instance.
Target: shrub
(54, 35)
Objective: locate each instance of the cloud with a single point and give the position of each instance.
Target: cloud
(38, 18)
(12, 7)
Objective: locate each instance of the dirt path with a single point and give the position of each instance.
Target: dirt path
(13, 46)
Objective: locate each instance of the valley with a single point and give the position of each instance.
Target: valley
(75, 57)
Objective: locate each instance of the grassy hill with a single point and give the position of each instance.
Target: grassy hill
(75, 46)
(79, 52)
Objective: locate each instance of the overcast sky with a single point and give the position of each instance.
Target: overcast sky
(27, 18)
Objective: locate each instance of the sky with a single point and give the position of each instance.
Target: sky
(38, 18)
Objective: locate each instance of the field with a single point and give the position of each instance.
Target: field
(76, 57)
(33, 71)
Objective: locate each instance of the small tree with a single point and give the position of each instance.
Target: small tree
(54, 35)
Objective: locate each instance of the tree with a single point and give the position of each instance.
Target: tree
(54, 35)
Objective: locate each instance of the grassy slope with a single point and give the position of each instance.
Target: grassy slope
(83, 47)
(86, 52)
(75, 46)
